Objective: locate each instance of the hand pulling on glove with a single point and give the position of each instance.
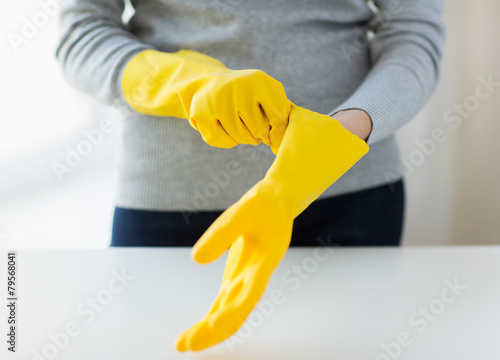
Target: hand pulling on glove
(316, 150)
(228, 107)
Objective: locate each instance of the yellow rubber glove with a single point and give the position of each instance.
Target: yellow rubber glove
(315, 152)
(228, 107)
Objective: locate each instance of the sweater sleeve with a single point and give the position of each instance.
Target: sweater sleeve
(94, 45)
(405, 54)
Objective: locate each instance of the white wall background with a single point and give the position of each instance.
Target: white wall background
(452, 189)
(453, 197)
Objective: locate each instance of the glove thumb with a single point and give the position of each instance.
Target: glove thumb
(216, 240)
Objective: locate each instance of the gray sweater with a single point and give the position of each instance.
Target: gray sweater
(328, 54)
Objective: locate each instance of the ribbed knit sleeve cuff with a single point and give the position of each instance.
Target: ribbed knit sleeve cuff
(391, 95)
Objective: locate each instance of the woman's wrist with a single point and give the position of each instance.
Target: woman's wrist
(356, 121)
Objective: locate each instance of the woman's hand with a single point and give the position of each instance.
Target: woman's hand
(228, 107)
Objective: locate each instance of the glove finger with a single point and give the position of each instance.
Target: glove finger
(184, 340)
(216, 239)
(276, 135)
(245, 279)
(272, 100)
(277, 111)
(202, 336)
(181, 343)
(255, 119)
(215, 135)
(277, 131)
(236, 261)
(237, 303)
(203, 118)
(238, 130)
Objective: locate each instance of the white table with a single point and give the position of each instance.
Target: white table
(347, 303)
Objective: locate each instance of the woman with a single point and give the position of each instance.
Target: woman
(371, 65)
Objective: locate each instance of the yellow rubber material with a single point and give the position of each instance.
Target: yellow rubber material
(315, 152)
(228, 107)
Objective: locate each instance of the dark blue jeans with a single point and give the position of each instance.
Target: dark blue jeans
(372, 217)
